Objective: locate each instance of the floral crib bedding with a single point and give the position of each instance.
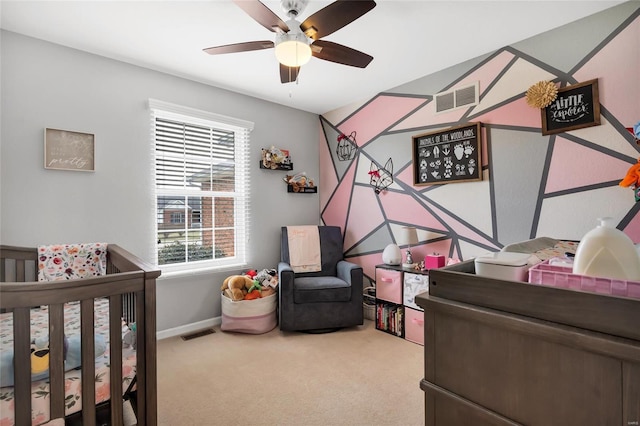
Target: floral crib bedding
(40, 389)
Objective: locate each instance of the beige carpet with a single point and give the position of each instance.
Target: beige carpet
(357, 376)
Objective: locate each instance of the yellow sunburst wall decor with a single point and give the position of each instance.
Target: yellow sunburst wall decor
(541, 94)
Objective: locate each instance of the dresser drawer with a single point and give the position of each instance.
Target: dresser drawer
(389, 285)
(414, 284)
(414, 326)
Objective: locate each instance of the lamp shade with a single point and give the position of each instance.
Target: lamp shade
(292, 49)
(410, 235)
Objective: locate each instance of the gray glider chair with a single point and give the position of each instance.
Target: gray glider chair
(320, 301)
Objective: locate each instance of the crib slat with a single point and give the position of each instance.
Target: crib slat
(56, 360)
(141, 356)
(22, 365)
(3, 270)
(151, 367)
(20, 270)
(115, 358)
(88, 362)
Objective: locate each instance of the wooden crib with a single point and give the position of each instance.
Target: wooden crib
(127, 278)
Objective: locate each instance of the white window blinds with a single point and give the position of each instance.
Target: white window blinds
(201, 172)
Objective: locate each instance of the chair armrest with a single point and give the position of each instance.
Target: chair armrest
(352, 273)
(286, 304)
(345, 269)
(285, 278)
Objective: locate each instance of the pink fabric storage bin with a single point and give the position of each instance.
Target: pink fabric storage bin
(414, 326)
(389, 285)
(249, 316)
(563, 277)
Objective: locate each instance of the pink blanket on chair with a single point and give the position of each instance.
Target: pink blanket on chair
(304, 248)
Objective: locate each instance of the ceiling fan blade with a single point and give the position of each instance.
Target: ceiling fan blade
(262, 15)
(340, 54)
(335, 16)
(288, 74)
(240, 47)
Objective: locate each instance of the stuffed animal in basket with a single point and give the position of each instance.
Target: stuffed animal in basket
(254, 292)
(268, 279)
(236, 286)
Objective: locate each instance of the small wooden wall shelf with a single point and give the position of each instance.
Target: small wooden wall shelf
(303, 190)
(278, 166)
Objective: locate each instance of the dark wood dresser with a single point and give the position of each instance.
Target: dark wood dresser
(509, 353)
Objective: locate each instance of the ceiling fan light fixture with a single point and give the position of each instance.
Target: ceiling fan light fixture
(292, 50)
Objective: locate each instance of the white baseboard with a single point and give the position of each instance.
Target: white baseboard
(188, 328)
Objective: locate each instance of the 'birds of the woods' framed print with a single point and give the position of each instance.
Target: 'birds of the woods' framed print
(446, 156)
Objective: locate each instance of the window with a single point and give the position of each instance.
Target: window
(201, 173)
(177, 217)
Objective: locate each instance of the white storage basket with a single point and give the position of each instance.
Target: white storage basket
(249, 316)
(369, 303)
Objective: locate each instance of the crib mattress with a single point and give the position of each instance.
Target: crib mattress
(73, 395)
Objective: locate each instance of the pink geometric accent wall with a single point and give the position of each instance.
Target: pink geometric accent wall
(517, 158)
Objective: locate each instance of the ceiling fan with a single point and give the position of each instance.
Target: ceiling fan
(295, 43)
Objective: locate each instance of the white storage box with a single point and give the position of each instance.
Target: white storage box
(503, 266)
(414, 284)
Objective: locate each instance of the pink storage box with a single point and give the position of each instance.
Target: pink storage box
(414, 326)
(389, 285)
(433, 261)
(563, 277)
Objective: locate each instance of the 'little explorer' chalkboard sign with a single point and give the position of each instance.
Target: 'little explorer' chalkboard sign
(575, 107)
(452, 155)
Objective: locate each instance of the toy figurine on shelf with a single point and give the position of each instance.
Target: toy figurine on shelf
(276, 159)
(300, 183)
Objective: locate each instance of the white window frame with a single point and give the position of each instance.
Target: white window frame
(242, 129)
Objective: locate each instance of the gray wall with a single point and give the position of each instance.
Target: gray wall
(47, 85)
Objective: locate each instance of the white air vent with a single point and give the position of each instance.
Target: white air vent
(457, 98)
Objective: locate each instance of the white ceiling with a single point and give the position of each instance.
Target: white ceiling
(408, 40)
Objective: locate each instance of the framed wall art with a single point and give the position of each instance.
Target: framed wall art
(575, 107)
(66, 150)
(452, 155)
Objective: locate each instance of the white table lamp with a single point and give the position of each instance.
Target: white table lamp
(411, 239)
